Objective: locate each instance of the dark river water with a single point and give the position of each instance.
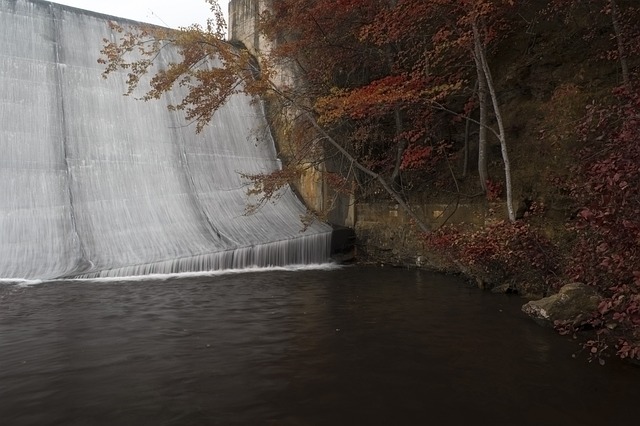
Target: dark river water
(349, 346)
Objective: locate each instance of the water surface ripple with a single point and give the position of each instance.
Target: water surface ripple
(354, 346)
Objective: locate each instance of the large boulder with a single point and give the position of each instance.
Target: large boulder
(573, 303)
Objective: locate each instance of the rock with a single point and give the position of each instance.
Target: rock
(572, 303)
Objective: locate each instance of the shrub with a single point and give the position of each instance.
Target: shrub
(606, 185)
(503, 252)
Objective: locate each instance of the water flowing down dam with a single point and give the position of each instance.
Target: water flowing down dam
(93, 183)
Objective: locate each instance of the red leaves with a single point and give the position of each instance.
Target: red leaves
(628, 350)
(509, 249)
(416, 156)
(495, 190)
(377, 98)
(607, 183)
(605, 306)
(267, 186)
(586, 214)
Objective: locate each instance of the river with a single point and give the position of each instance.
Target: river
(326, 346)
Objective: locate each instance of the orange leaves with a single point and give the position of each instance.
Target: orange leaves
(267, 186)
(390, 24)
(381, 97)
(136, 43)
(208, 66)
(374, 99)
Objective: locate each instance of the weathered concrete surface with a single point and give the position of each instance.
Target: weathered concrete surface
(243, 22)
(572, 303)
(388, 235)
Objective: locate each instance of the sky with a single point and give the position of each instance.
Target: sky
(167, 13)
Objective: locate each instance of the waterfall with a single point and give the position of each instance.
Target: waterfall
(93, 183)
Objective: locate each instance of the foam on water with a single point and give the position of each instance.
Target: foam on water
(179, 276)
(93, 183)
(20, 283)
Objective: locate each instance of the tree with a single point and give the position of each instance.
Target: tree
(334, 59)
(209, 87)
(449, 33)
(486, 79)
(370, 78)
(340, 54)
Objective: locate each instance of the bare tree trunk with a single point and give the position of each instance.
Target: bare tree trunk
(467, 131)
(465, 163)
(482, 59)
(483, 119)
(402, 146)
(397, 116)
(615, 20)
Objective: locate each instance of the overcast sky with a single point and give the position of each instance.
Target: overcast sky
(167, 13)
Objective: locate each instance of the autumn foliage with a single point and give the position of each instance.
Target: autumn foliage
(400, 93)
(513, 254)
(607, 252)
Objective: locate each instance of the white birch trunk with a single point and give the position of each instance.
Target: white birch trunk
(482, 59)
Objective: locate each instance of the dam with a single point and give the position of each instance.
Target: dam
(94, 183)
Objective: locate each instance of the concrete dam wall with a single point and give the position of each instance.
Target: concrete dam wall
(93, 183)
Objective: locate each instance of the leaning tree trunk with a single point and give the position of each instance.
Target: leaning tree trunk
(400, 149)
(383, 182)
